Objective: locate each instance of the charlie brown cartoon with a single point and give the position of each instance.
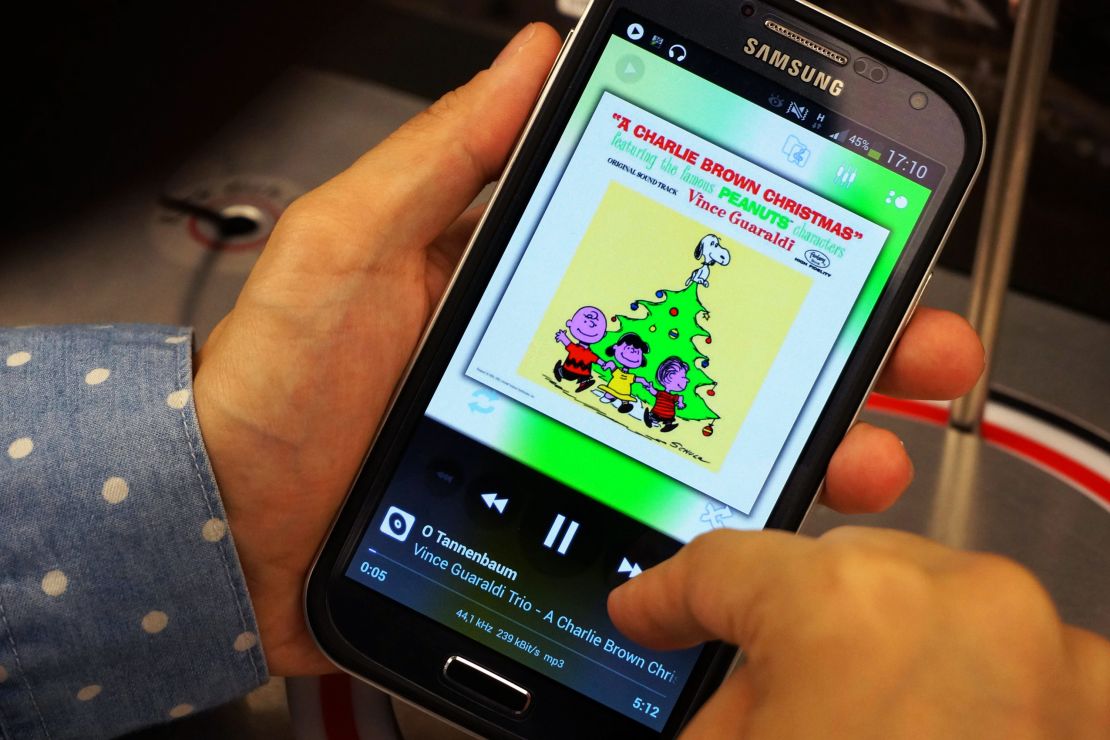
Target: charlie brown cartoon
(587, 325)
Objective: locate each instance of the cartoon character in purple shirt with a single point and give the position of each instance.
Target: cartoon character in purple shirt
(587, 325)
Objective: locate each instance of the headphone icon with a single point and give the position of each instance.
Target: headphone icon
(677, 52)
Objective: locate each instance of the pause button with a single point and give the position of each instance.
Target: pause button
(562, 531)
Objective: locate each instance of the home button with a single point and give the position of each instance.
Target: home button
(486, 685)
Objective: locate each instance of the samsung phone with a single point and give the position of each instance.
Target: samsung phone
(716, 222)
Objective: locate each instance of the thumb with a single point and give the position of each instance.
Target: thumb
(408, 189)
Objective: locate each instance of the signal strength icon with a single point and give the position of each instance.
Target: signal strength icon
(837, 135)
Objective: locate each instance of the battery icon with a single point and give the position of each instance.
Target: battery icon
(875, 154)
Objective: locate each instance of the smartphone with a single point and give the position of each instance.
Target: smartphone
(718, 219)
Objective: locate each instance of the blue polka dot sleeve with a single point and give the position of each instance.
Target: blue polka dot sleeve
(122, 602)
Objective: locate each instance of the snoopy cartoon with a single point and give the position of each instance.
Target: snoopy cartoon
(710, 252)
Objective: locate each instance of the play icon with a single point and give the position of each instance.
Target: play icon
(494, 501)
(632, 569)
(630, 68)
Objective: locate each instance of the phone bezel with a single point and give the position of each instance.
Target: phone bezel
(336, 608)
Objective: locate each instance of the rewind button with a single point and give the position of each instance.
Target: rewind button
(494, 501)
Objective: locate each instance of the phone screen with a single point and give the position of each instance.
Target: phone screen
(668, 319)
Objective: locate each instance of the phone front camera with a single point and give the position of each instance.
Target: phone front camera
(747, 10)
(919, 100)
(870, 69)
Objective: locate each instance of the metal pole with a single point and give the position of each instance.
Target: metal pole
(952, 508)
(1029, 59)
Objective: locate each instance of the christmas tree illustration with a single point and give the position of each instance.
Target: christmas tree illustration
(670, 324)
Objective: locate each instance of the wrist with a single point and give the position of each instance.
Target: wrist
(274, 525)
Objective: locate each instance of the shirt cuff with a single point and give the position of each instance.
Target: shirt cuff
(122, 601)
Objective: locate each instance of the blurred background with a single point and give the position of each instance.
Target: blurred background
(133, 122)
(112, 91)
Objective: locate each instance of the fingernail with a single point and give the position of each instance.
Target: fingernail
(519, 41)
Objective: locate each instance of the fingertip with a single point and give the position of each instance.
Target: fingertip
(538, 38)
(975, 359)
(616, 600)
(548, 36)
(868, 472)
(939, 356)
(966, 355)
(647, 609)
(516, 43)
(625, 609)
(500, 98)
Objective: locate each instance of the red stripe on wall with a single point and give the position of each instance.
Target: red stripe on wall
(1059, 463)
(912, 409)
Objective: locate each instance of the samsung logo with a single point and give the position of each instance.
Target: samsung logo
(793, 67)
